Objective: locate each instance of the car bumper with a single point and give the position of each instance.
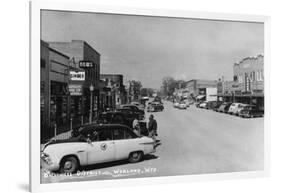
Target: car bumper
(49, 166)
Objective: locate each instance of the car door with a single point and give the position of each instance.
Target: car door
(125, 142)
(102, 147)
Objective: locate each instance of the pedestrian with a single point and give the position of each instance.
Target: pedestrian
(152, 127)
(136, 126)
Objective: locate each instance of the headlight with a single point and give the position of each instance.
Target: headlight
(46, 157)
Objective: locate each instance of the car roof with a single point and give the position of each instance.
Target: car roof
(129, 105)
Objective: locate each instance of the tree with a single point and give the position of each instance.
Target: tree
(168, 85)
(147, 92)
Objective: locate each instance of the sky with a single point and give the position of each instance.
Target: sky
(149, 48)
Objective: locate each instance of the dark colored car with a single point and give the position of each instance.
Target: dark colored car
(250, 112)
(217, 106)
(120, 118)
(115, 117)
(155, 107)
(213, 104)
(132, 111)
(224, 107)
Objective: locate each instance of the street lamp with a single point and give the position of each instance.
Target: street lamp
(91, 102)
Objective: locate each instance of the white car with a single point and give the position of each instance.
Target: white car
(233, 108)
(203, 105)
(96, 144)
(176, 104)
(183, 105)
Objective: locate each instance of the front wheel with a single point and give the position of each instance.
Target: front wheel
(135, 157)
(69, 165)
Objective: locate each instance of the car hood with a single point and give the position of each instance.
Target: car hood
(70, 140)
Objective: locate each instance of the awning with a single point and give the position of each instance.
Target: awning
(200, 97)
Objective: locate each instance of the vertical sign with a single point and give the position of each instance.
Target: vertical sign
(247, 83)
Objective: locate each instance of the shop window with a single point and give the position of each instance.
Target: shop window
(43, 63)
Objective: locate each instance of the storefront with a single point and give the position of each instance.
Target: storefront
(55, 98)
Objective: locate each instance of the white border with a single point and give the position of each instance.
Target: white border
(35, 7)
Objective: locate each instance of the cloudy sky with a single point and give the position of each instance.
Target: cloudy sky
(149, 48)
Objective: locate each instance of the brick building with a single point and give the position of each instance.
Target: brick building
(54, 97)
(83, 58)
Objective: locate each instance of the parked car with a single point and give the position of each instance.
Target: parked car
(251, 111)
(217, 106)
(183, 105)
(139, 105)
(116, 117)
(155, 107)
(96, 144)
(202, 105)
(238, 109)
(197, 104)
(212, 104)
(224, 107)
(176, 104)
(132, 109)
(233, 107)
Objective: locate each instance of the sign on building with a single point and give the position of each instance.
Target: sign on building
(75, 89)
(86, 64)
(77, 75)
(247, 83)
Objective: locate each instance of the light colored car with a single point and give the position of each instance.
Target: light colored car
(237, 110)
(96, 144)
(183, 105)
(202, 105)
(176, 104)
(233, 107)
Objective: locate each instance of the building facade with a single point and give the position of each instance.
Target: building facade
(247, 85)
(114, 94)
(54, 96)
(202, 89)
(85, 62)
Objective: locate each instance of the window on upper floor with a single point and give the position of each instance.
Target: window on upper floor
(240, 79)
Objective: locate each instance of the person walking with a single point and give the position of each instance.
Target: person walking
(152, 127)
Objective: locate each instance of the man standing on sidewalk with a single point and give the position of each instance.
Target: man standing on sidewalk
(152, 127)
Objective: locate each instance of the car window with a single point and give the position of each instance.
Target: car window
(118, 134)
(101, 135)
(105, 135)
(129, 134)
(94, 136)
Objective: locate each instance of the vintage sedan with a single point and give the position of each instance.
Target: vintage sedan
(183, 105)
(96, 144)
(155, 107)
(251, 111)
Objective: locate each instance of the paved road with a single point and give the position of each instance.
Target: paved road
(194, 141)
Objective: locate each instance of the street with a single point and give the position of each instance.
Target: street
(194, 141)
